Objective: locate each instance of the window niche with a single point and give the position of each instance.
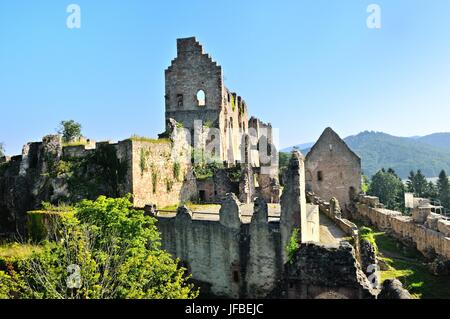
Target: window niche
(180, 100)
(320, 176)
(201, 98)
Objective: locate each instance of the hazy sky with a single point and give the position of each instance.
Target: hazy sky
(301, 65)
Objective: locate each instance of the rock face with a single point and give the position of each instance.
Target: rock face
(393, 289)
(368, 257)
(318, 270)
(25, 182)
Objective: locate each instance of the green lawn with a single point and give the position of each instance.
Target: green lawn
(408, 265)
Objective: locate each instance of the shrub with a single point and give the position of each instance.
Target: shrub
(293, 244)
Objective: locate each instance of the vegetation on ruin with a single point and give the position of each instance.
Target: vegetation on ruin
(194, 207)
(366, 233)
(137, 138)
(74, 143)
(99, 172)
(115, 251)
(177, 171)
(169, 184)
(16, 251)
(293, 244)
(143, 160)
(407, 265)
(70, 131)
(154, 179)
(208, 124)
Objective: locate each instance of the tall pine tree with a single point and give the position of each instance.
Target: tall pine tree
(417, 184)
(443, 186)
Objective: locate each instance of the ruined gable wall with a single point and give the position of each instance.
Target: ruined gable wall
(340, 168)
(193, 70)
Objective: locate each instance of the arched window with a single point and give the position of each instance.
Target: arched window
(201, 98)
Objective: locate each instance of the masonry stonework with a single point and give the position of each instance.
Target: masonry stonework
(333, 169)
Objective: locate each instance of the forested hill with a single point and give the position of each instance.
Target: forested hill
(430, 153)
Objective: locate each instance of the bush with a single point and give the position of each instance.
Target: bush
(293, 244)
(106, 249)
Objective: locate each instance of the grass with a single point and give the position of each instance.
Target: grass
(76, 143)
(366, 233)
(137, 138)
(18, 251)
(408, 265)
(192, 207)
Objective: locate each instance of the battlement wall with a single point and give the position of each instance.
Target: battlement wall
(427, 231)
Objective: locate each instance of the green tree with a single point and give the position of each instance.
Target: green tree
(443, 187)
(389, 188)
(112, 251)
(431, 191)
(70, 130)
(2, 149)
(417, 184)
(365, 184)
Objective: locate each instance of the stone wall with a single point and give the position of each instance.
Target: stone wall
(417, 233)
(234, 258)
(295, 212)
(333, 169)
(156, 172)
(25, 182)
(158, 179)
(326, 272)
(334, 214)
(231, 256)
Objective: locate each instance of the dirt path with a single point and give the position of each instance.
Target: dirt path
(329, 232)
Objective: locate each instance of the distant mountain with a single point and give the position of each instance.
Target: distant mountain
(403, 154)
(441, 140)
(378, 150)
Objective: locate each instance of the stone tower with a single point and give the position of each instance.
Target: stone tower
(195, 92)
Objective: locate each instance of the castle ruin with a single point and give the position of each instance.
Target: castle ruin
(212, 151)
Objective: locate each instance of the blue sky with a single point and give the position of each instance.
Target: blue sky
(301, 65)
